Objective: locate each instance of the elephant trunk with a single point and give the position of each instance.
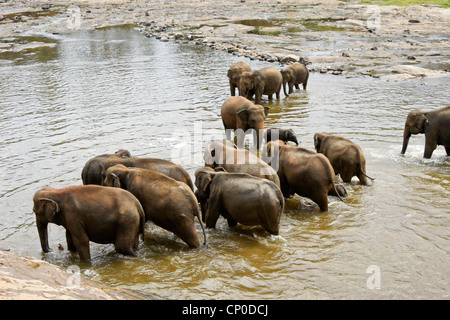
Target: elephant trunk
(406, 136)
(284, 89)
(43, 236)
(259, 132)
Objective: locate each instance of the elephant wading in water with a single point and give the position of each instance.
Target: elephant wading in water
(293, 75)
(226, 155)
(265, 81)
(345, 156)
(94, 170)
(239, 198)
(90, 213)
(168, 203)
(234, 75)
(284, 135)
(239, 113)
(304, 172)
(436, 126)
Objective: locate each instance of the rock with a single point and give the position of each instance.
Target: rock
(290, 58)
(27, 278)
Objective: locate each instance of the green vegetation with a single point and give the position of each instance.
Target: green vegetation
(260, 32)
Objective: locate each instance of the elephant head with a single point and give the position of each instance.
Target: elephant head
(46, 210)
(288, 76)
(415, 124)
(318, 137)
(115, 176)
(249, 83)
(252, 116)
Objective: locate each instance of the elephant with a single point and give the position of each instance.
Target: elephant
(295, 74)
(241, 113)
(346, 157)
(304, 172)
(239, 198)
(95, 168)
(234, 75)
(265, 81)
(236, 160)
(90, 213)
(284, 135)
(168, 203)
(436, 126)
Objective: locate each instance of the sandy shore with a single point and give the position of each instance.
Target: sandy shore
(343, 38)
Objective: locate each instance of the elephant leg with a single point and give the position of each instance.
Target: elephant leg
(70, 244)
(212, 213)
(362, 178)
(297, 86)
(322, 200)
(430, 146)
(186, 231)
(447, 150)
(269, 96)
(127, 241)
(346, 175)
(291, 87)
(81, 242)
(231, 222)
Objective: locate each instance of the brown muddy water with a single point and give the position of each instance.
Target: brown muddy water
(100, 91)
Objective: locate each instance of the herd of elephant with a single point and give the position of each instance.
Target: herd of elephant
(120, 192)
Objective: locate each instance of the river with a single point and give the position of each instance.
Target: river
(99, 91)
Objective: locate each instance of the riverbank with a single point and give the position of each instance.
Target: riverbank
(342, 38)
(27, 278)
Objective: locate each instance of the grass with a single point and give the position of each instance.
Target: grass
(443, 3)
(260, 32)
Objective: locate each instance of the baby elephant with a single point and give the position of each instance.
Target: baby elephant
(168, 203)
(239, 197)
(345, 156)
(90, 213)
(284, 135)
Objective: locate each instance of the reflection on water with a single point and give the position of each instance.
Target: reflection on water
(97, 92)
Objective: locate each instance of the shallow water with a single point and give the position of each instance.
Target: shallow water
(100, 91)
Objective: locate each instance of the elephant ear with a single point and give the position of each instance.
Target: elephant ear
(203, 180)
(317, 141)
(243, 115)
(55, 208)
(115, 179)
(423, 122)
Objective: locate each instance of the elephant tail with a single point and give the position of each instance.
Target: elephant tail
(142, 221)
(199, 217)
(362, 171)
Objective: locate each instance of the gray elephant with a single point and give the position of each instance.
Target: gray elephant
(240, 113)
(234, 75)
(168, 203)
(94, 169)
(265, 81)
(233, 159)
(90, 213)
(304, 172)
(295, 74)
(284, 135)
(434, 124)
(346, 157)
(239, 198)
